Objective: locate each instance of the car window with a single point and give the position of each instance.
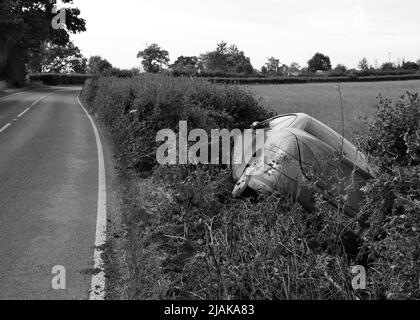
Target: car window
(278, 123)
(325, 134)
(334, 140)
(282, 122)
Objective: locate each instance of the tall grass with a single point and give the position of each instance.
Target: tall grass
(186, 237)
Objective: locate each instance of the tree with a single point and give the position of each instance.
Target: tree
(264, 70)
(408, 65)
(185, 64)
(154, 58)
(60, 59)
(226, 59)
(319, 62)
(388, 66)
(363, 64)
(295, 65)
(24, 26)
(98, 65)
(340, 69)
(273, 66)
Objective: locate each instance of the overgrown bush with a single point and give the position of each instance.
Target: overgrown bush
(393, 198)
(188, 238)
(135, 109)
(393, 139)
(54, 79)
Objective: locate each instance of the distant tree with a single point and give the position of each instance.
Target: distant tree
(185, 65)
(363, 64)
(59, 59)
(273, 66)
(304, 71)
(295, 65)
(319, 62)
(98, 65)
(186, 62)
(264, 70)
(388, 66)
(24, 26)
(154, 59)
(408, 65)
(340, 69)
(226, 59)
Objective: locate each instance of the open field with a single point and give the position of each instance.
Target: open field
(322, 101)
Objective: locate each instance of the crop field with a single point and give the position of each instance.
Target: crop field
(322, 100)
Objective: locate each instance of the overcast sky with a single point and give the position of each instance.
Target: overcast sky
(290, 30)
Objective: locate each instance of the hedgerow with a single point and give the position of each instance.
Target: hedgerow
(134, 110)
(186, 237)
(393, 198)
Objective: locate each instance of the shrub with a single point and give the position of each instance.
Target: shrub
(54, 79)
(394, 137)
(187, 237)
(135, 109)
(392, 199)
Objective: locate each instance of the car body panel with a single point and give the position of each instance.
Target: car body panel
(299, 153)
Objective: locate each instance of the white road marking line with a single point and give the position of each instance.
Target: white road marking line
(24, 111)
(5, 127)
(97, 287)
(27, 109)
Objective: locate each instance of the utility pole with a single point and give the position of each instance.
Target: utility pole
(389, 56)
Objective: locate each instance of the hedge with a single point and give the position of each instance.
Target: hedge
(297, 80)
(59, 78)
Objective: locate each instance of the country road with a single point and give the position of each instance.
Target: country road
(48, 194)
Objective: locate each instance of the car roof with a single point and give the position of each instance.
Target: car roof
(306, 126)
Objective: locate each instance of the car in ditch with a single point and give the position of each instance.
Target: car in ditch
(304, 157)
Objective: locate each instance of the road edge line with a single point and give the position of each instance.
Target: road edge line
(97, 290)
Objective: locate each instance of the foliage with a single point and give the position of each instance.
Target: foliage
(363, 64)
(353, 77)
(226, 59)
(24, 26)
(54, 79)
(273, 67)
(319, 62)
(57, 59)
(392, 198)
(186, 238)
(98, 65)
(393, 138)
(388, 66)
(153, 58)
(185, 65)
(339, 70)
(141, 106)
(408, 65)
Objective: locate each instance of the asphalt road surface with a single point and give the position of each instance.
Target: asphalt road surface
(48, 195)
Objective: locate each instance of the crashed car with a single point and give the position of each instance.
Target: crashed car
(304, 157)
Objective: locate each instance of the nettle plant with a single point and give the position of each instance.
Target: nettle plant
(392, 198)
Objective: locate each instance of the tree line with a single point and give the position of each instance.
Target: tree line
(229, 60)
(28, 44)
(224, 61)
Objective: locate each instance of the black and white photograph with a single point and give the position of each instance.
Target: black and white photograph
(212, 158)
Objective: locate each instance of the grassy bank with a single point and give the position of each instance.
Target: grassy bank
(184, 236)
